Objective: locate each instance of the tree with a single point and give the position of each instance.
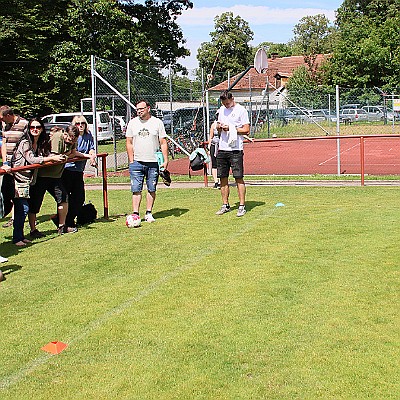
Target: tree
(367, 51)
(45, 51)
(229, 48)
(313, 35)
(282, 49)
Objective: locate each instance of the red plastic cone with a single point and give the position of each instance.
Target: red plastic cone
(55, 347)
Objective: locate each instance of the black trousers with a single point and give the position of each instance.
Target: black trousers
(75, 187)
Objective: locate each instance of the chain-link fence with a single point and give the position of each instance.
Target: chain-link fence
(187, 107)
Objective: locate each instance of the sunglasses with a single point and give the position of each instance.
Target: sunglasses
(33, 127)
(80, 123)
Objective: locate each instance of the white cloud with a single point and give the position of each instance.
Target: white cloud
(254, 15)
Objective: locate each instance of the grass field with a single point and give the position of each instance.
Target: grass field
(293, 302)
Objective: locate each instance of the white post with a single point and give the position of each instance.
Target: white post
(337, 129)
(128, 80)
(94, 133)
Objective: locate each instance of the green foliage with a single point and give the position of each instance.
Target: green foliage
(45, 51)
(313, 35)
(229, 48)
(282, 49)
(367, 50)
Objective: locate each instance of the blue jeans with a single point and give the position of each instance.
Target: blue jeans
(21, 209)
(139, 170)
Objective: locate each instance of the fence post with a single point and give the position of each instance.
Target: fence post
(94, 89)
(337, 130)
(105, 191)
(362, 159)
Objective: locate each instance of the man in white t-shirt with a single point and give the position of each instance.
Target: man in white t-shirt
(145, 135)
(233, 123)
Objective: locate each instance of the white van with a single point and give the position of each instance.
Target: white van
(104, 127)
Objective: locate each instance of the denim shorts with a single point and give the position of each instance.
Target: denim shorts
(138, 170)
(227, 160)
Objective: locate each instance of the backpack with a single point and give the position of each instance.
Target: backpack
(197, 159)
(197, 163)
(87, 214)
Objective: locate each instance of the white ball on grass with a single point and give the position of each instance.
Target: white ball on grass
(133, 221)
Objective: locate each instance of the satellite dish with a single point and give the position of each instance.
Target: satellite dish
(261, 60)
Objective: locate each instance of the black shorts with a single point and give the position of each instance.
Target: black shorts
(230, 160)
(52, 185)
(213, 156)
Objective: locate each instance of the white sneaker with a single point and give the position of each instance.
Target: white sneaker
(3, 259)
(224, 209)
(241, 211)
(149, 217)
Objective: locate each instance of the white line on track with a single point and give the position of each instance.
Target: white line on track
(342, 152)
(31, 366)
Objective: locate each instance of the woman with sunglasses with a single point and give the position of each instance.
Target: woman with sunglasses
(31, 149)
(72, 177)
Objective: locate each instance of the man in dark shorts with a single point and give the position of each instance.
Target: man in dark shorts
(233, 123)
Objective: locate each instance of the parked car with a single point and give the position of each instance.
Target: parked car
(191, 118)
(104, 127)
(119, 126)
(350, 105)
(378, 113)
(314, 115)
(299, 113)
(349, 115)
(167, 120)
(329, 116)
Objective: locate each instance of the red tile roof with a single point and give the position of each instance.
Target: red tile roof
(283, 66)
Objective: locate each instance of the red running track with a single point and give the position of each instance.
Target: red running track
(314, 156)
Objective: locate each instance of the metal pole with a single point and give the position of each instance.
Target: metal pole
(170, 106)
(114, 135)
(268, 121)
(203, 106)
(362, 161)
(105, 192)
(93, 78)
(128, 80)
(337, 129)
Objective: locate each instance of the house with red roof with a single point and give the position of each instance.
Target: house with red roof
(252, 87)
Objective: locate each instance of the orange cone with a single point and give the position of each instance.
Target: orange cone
(55, 347)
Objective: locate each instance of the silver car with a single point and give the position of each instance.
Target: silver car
(349, 115)
(377, 113)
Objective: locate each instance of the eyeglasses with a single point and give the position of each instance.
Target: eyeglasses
(80, 123)
(140, 108)
(33, 127)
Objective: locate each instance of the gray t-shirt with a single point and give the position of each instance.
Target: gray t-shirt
(146, 137)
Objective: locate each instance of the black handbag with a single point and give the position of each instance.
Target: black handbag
(197, 163)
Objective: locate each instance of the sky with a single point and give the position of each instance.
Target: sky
(271, 21)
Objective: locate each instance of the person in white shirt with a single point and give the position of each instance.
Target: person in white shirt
(233, 124)
(145, 135)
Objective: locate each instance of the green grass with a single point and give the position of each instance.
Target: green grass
(315, 177)
(108, 147)
(292, 302)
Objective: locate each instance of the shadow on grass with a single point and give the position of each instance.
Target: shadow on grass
(8, 269)
(252, 204)
(173, 212)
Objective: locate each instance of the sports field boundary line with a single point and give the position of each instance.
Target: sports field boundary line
(7, 381)
(273, 182)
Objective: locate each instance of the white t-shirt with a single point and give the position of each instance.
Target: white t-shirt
(146, 137)
(236, 116)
